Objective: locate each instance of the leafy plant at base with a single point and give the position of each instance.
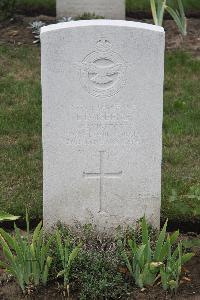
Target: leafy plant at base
(67, 257)
(7, 217)
(97, 271)
(36, 28)
(145, 263)
(170, 272)
(26, 258)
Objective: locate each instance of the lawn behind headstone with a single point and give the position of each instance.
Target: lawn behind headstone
(131, 5)
(20, 134)
(144, 5)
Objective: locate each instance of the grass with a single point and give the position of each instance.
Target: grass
(45, 5)
(181, 157)
(144, 5)
(20, 134)
(20, 130)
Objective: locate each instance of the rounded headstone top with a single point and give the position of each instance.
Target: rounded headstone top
(101, 22)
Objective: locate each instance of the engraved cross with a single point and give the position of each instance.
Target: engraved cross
(101, 175)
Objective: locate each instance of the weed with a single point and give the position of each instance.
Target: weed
(7, 217)
(146, 264)
(26, 258)
(67, 257)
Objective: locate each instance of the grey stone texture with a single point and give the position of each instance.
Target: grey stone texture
(109, 9)
(102, 93)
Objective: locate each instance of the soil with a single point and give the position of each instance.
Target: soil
(17, 31)
(189, 288)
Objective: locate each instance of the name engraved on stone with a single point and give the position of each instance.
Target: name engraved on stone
(101, 175)
(102, 72)
(102, 98)
(102, 124)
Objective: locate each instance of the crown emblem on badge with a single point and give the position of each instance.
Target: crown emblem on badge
(102, 72)
(103, 45)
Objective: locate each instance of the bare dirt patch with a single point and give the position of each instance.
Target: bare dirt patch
(17, 31)
(191, 42)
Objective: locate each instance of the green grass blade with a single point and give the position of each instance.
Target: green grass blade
(173, 237)
(45, 250)
(128, 264)
(8, 238)
(181, 8)
(36, 232)
(133, 246)
(161, 12)
(61, 273)
(160, 242)
(7, 252)
(74, 254)
(180, 22)
(140, 255)
(46, 270)
(163, 275)
(187, 257)
(165, 250)
(7, 217)
(60, 247)
(154, 11)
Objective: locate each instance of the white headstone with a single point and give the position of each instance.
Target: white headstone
(110, 9)
(102, 86)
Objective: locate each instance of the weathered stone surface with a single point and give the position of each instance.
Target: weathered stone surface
(110, 9)
(102, 87)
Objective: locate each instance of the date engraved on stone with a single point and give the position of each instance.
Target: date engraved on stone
(102, 72)
(98, 124)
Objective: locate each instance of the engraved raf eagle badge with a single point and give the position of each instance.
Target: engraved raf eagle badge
(102, 72)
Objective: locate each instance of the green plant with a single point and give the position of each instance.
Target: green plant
(36, 28)
(26, 257)
(179, 17)
(145, 262)
(170, 272)
(158, 8)
(144, 5)
(7, 217)
(98, 273)
(67, 257)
